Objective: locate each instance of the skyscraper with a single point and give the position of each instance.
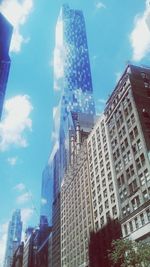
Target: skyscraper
(72, 76)
(46, 193)
(5, 38)
(128, 122)
(13, 237)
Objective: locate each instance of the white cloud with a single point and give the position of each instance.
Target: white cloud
(100, 104)
(24, 198)
(26, 215)
(100, 5)
(140, 36)
(3, 238)
(20, 187)
(16, 121)
(17, 13)
(118, 76)
(101, 101)
(12, 161)
(43, 201)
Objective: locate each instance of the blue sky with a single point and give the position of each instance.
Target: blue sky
(117, 33)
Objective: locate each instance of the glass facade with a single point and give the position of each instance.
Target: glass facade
(46, 192)
(72, 77)
(13, 237)
(5, 38)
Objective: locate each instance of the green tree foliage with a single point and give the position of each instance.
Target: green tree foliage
(128, 253)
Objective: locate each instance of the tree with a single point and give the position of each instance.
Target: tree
(128, 253)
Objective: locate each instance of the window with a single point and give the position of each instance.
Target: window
(145, 195)
(106, 204)
(131, 226)
(135, 202)
(98, 189)
(133, 186)
(148, 214)
(125, 229)
(142, 179)
(146, 174)
(142, 158)
(144, 75)
(101, 209)
(114, 211)
(104, 182)
(139, 145)
(135, 131)
(136, 222)
(111, 187)
(105, 193)
(97, 179)
(99, 199)
(142, 219)
(112, 198)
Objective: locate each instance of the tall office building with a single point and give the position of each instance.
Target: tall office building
(13, 237)
(72, 76)
(102, 176)
(5, 38)
(128, 121)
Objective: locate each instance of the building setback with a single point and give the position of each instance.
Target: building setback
(13, 237)
(5, 38)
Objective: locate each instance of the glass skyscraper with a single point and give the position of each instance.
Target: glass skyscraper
(46, 192)
(13, 237)
(5, 38)
(72, 76)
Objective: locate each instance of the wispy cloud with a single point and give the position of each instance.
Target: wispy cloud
(100, 5)
(20, 187)
(43, 201)
(12, 161)
(118, 76)
(16, 121)
(100, 104)
(26, 215)
(17, 13)
(101, 101)
(24, 198)
(3, 238)
(140, 35)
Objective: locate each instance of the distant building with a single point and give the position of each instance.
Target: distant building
(13, 237)
(18, 256)
(5, 38)
(28, 252)
(36, 245)
(46, 194)
(75, 82)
